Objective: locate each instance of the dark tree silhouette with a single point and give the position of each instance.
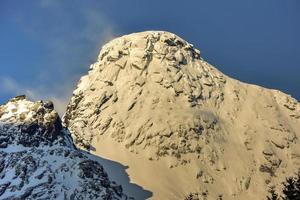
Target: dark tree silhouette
(291, 188)
(290, 191)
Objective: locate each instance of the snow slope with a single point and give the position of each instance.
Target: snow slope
(151, 102)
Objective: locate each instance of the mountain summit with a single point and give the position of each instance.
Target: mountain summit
(158, 74)
(151, 102)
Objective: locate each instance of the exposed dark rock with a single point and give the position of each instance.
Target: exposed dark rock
(49, 105)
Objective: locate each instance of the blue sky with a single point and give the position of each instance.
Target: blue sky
(47, 45)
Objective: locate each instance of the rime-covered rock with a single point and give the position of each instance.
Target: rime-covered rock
(38, 159)
(152, 94)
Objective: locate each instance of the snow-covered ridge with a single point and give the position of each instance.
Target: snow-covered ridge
(39, 161)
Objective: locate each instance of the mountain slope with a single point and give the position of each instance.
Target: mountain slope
(152, 103)
(38, 159)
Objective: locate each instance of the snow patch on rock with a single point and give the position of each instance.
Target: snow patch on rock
(38, 159)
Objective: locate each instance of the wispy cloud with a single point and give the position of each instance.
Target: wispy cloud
(14, 88)
(71, 34)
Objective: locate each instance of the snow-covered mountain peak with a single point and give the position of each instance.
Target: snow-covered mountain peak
(39, 161)
(151, 102)
(153, 72)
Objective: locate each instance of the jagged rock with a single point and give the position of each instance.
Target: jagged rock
(144, 53)
(39, 161)
(48, 105)
(36, 123)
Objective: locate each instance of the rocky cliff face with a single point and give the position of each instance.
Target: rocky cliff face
(39, 161)
(148, 90)
(154, 95)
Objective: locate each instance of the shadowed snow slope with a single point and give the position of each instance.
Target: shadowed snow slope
(152, 103)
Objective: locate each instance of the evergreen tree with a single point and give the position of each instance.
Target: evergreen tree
(291, 190)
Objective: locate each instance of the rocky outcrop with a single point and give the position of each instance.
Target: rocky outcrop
(31, 124)
(39, 161)
(159, 74)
